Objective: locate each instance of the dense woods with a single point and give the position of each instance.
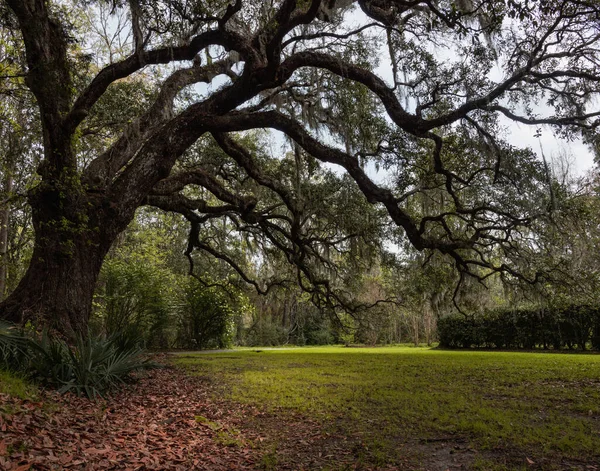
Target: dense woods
(198, 174)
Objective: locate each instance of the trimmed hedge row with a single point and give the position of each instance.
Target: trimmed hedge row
(574, 326)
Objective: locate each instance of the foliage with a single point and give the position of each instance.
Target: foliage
(287, 316)
(91, 366)
(572, 326)
(206, 317)
(19, 133)
(138, 286)
(13, 346)
(133, 300)
(263, 125)
(265, 332)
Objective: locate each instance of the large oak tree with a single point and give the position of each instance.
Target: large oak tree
(420, 88)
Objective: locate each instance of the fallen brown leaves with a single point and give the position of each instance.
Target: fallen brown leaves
(152, 425)
(168, 421)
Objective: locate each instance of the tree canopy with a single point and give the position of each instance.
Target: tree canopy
(264, 123)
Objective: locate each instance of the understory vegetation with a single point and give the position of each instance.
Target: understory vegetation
(145, 291)
(501, 411)
(89, 366)
(15, 386)
(572, 327)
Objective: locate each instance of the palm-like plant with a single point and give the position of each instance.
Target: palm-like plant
(13, 346)
(91, 366)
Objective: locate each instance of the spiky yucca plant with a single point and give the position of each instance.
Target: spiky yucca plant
(92, 366)
(13, 346)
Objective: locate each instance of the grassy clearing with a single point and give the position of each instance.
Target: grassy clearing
(512, 410)
(12, 386)
(15, 386)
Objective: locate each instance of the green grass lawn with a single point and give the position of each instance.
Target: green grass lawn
(15, 386)
(509, 410)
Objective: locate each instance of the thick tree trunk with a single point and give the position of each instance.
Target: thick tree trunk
(72, 236)
(57, 289)
(74, 224)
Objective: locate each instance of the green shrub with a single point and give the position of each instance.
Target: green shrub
(135, 299)
(320, 336)
(311, 327)
(596, 336)
(90, 367)
(456, 332)
(266, 332)
(206, 317)
(570, 326)
(129, 338)
(13, 346)
(49, 359)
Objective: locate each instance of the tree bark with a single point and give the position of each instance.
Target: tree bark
(56, 291)
(4, 220)
(73, 233)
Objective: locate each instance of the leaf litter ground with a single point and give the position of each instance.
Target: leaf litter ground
(156, 424)
(165, 421)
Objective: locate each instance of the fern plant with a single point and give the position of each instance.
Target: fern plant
(48, 359)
